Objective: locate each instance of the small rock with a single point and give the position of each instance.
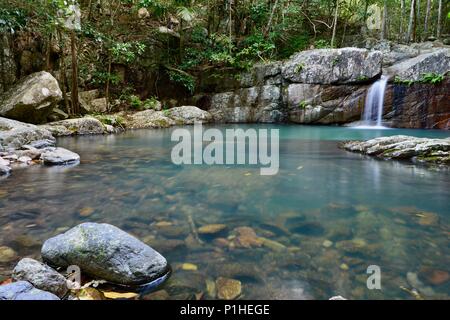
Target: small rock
(86, 212)
(158, 295)
(23, 290)
(211, 228)
(246, 238)
(327, 243)
(344, 267)
(40, 276)
(428, 218)
(7, 254)
(90, 294)
(189, 267)
(271, 244)
(24, 159)
(59, 156)
(4, 170)
(4, 162)
(228, 289)
(434, 277)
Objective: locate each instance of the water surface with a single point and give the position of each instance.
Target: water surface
(386, 213)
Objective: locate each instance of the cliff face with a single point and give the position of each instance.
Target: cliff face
(330, 86)
(418, 106)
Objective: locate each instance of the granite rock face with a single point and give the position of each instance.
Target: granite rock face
(14, 134)
(333, 66)
(59, 156)
(106, 252)
(79, 126)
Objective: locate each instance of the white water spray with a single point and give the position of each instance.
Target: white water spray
(373, 109)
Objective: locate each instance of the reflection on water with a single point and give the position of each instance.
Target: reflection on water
(327, 215)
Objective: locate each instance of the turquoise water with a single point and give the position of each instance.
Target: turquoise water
(328, 213)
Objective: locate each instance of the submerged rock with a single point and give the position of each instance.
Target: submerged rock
(211, 228)
(32, 99)
(23, 290)
(106, 252)
(59, 156)
(228, 289)
(7, 254)
(40, 276)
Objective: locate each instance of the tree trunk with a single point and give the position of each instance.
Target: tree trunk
(427, 17)
(75, 105)
(384, 21)
(402, 18)
(411, 19)
(108, 81)
(438, 27)
(63, 76)
(269, 23)
(336, 12)
(417, 22)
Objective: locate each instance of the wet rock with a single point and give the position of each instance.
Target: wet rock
(7, 254)
(189, 267)
(32, 99)
(15, 134)
(246, 238)
(327, 243)
(273, 245)
(211, 228)
(188, 115)
(158, 295)
(80, 126)
(90, 294)
(413, 281)
(4, 170)
(428, 218)
(434, 276)
(333, 66)
(106, 252)
(59, 156)
(40, 276)
(228, 289)
(86, 212)
(23, 290)
(314, 229)
(352, 246)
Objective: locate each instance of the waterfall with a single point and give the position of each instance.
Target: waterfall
(373, 109)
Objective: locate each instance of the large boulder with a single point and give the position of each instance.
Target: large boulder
(40, 276)
(333, 66)
(23, 290)
(15, 134)
(79, 126)
(413, 69)
(32, 99)
(148, 119)
(106, 252)
(188, 115)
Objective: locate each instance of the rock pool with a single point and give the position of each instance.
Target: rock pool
(312, 229)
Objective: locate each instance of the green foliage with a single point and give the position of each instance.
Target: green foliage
(322, 44)
(101, 77)
(299, 67)
(112, 120)
(432, 78)
(398, 80)
(302, 104)
(135, 102)
(127, 52)
(183, 79)
(12, 20)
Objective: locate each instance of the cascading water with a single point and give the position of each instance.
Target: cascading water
(373, 109)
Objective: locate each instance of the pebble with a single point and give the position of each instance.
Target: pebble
(86, 212)
(7, 254)
(211, 228)
(344, 267)
(228, 289)
(434, 277)
(189, 267)
(327, 243)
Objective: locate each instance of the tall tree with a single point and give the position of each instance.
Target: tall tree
(411, 21)
(336, 13)
(384, 21)
(439, 18)
(402, 18)
(427, 17)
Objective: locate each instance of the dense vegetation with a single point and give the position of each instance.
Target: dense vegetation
(178, 39)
